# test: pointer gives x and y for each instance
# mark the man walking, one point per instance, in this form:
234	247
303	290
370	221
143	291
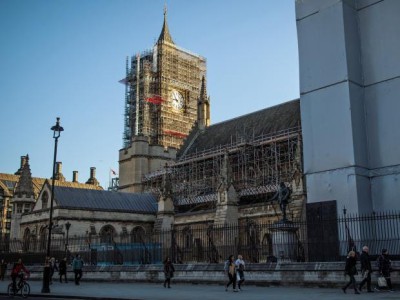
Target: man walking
365	269
240	271
77	265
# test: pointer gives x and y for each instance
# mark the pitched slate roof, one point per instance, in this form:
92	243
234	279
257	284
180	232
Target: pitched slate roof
66	197
263	122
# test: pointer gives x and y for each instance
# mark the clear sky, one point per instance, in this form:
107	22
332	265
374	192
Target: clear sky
64	58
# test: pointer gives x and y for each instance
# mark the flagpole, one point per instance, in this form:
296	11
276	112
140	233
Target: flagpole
109	177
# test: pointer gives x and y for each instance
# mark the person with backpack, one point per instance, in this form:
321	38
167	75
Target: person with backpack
239	271
230	270
351	270
385	267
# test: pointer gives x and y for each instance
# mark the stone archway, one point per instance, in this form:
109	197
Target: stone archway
107	233
138	235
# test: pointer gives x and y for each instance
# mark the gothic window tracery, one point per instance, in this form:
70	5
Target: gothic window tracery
27	235
45	200
138	235
107	234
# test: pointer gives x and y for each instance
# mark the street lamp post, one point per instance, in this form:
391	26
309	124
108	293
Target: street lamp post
67	227
46	272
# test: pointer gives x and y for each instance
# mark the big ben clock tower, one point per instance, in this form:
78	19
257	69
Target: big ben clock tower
165	95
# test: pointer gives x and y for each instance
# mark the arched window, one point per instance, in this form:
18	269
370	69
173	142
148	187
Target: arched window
27	236
107	234
45	200
187	238
267	244
138	235
42	238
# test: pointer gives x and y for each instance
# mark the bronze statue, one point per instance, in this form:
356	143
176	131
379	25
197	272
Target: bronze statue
283	195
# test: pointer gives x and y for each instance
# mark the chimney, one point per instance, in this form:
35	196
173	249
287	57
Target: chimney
74	176
58	167
59	176
93	172
92	180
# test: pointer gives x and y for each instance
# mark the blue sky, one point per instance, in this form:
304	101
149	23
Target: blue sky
64	58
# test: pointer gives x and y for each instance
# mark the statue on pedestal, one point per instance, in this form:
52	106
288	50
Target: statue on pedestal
283	195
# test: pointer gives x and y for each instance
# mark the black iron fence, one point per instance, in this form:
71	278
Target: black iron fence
316	239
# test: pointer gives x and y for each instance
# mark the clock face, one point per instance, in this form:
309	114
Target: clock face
177	100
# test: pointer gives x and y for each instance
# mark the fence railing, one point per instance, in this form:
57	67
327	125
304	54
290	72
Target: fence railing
315	240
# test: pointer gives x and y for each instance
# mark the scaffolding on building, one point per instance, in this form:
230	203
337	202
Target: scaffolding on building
150	78
257	166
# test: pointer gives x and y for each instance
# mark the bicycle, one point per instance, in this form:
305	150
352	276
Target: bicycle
22	286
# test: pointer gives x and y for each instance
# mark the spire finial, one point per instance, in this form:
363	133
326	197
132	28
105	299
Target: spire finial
165	35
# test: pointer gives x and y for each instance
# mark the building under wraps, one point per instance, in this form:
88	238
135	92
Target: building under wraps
170	148
165	95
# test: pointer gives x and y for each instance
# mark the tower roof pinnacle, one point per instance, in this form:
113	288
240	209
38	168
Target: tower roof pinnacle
25	185
165	36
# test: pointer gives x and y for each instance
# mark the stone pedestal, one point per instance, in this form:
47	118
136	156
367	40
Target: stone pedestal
284	240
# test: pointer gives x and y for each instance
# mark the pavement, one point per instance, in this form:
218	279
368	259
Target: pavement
155	291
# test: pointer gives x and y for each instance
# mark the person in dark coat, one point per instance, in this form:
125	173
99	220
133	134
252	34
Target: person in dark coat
385	266
62	270
365	269
351	270
230	270
3	268
168	272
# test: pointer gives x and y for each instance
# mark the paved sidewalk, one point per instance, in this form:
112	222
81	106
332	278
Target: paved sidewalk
152	291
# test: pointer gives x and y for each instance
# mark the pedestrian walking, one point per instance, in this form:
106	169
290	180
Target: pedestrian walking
77	266
351	270
230	270
53	268
62	270
3	268
366	269
240	266
168	272
385	267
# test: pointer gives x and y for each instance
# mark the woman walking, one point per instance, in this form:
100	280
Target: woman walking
351	270
230	270
62	269
385	266
168	272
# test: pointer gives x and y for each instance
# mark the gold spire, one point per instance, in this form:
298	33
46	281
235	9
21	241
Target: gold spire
165	36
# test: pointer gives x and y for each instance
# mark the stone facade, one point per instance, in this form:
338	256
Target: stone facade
165	96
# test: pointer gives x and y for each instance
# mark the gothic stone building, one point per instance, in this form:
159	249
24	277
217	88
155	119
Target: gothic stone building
20	191
185	174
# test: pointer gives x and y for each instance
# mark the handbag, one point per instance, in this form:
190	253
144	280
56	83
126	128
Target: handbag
382	281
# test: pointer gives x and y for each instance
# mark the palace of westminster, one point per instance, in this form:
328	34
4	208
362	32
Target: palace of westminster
178	170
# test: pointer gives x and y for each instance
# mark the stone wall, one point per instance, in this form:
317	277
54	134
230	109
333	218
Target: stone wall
328	274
